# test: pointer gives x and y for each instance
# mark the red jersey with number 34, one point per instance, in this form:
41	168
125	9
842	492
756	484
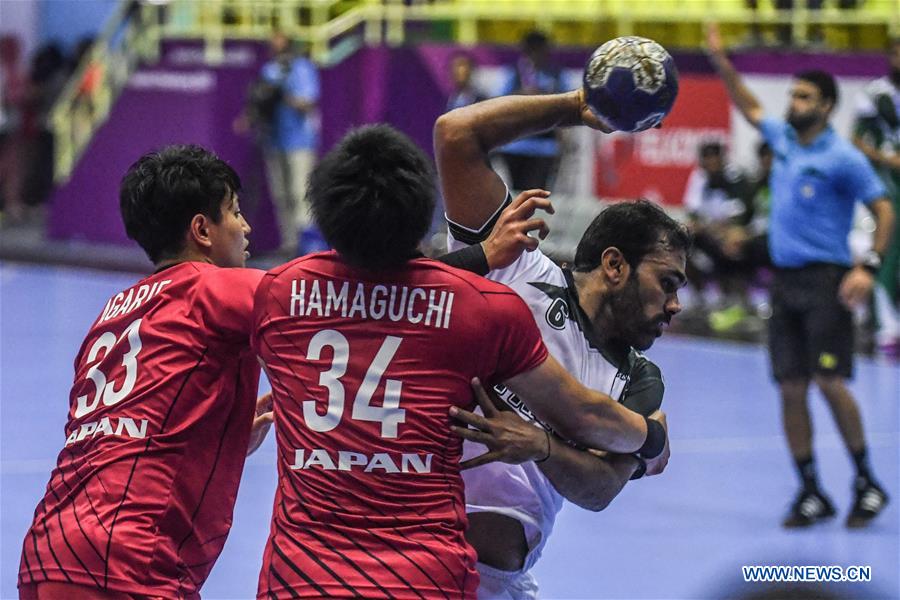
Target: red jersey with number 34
160	413
364	369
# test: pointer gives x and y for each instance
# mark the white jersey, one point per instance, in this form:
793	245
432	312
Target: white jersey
522	491
880	100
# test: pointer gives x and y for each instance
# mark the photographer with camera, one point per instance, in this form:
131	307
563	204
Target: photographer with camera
282	112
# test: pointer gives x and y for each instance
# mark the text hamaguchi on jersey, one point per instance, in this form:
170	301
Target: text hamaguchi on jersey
417	306
344	460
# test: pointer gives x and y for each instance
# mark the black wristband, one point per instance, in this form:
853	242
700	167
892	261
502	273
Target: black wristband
642	467
467	236
470	258
655	442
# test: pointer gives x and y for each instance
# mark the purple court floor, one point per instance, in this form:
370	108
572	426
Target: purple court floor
684	534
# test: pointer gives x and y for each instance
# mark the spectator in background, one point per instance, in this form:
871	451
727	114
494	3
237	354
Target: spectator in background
464	90
748	242
716	193
747	245
283	110
760	191
14	87
716	198
784	31
49	73
877	134
817	179
532	161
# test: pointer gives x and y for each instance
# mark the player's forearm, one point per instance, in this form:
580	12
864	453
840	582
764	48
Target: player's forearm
744	100
884	225
608	425
587	417
471	190
479	128
300	104
585	479
877	157
471	258
869	150
596	420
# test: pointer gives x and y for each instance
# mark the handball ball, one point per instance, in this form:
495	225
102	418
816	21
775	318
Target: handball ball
630	83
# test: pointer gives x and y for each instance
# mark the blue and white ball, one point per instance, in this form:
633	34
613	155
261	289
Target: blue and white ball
631	83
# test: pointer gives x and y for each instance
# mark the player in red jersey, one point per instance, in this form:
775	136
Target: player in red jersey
366	349
164	395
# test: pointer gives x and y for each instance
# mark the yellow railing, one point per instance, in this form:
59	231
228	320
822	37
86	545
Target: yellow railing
334	28
129	36
674	23
573	22
315	22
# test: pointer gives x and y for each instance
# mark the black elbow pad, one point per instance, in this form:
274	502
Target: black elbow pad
644	392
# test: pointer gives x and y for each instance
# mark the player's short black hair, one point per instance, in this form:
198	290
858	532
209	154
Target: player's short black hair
635	227
824	81
467	56
372	197
712	148
535	41
163	190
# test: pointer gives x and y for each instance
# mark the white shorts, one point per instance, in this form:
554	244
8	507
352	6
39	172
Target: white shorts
505	585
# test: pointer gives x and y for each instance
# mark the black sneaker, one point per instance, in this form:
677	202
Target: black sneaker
870	500
809	508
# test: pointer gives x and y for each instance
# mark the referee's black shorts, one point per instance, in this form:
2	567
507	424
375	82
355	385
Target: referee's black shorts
810	330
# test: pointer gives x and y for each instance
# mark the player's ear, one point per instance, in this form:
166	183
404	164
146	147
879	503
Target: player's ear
614	266
198	231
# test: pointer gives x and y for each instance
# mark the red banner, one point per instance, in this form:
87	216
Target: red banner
655	164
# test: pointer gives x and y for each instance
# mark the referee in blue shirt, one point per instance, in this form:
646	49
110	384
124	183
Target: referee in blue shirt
816	179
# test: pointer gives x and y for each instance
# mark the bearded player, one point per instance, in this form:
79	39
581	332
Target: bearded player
367	347
617	298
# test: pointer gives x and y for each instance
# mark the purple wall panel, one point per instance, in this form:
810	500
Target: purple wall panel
352	94
149	116
381	85
87	206
787	63
416	99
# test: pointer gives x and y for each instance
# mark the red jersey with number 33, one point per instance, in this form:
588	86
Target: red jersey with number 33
364	369
160	413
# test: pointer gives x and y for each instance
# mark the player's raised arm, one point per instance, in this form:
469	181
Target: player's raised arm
741	96
585	416
472	191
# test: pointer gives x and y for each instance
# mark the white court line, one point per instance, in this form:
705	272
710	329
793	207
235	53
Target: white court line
829	441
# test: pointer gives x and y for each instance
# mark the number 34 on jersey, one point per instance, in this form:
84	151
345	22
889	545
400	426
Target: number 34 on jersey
389	415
